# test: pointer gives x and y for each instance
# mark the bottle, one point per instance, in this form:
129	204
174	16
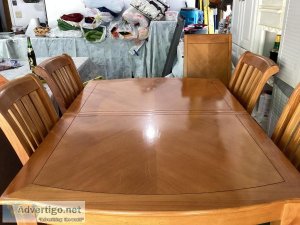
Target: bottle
30	54
274	51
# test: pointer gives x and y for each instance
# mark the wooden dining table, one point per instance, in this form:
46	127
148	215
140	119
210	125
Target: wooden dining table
161	151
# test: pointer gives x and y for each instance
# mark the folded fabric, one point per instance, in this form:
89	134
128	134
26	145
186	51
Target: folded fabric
153	9
115	6
65	26
106	17
74	17
106	10
56	32
135	18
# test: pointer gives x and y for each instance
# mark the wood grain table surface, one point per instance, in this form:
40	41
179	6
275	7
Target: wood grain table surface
161	151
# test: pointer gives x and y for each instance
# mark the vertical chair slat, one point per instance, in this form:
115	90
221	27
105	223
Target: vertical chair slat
29	122
240	78
287	113
60	84
293	146
63	79
68	71
244	83
247	82
42	112
12	132
64	83
287	130
290	129
68	83
26	114
38	123
255	91
22	127
249	87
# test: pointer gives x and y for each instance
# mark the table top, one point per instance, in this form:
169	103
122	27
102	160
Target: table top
160	147
156	95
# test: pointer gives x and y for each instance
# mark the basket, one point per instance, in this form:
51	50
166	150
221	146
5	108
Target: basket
41	31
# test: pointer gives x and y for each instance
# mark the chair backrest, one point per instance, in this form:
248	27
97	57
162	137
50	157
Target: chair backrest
287	130
208	56
26	114
249	78
63	79
3	80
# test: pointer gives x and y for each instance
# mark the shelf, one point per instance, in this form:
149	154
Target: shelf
271	15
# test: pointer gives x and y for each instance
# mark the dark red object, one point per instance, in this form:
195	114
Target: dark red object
89	19
193	28
74	17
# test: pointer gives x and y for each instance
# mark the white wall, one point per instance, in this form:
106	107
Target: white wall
289	52
23	12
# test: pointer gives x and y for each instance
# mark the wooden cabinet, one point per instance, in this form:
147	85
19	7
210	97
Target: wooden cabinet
243	17
246	34
208	56
271	15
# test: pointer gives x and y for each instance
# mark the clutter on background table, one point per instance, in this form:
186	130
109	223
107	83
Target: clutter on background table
6	64
107	33
110	57
20	68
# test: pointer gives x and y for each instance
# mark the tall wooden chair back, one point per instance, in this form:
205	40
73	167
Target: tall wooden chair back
249	78
208	56
287	130
3	80
26	114
63	79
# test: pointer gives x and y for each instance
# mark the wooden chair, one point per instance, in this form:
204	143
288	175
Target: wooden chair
249	78
63	79
208	56
3	80
26	114
287	130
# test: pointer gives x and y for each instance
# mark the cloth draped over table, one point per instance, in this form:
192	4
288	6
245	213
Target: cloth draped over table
110	57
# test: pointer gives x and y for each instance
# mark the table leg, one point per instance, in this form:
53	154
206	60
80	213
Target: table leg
291	214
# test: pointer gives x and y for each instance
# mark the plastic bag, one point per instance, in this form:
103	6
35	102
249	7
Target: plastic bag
114	5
